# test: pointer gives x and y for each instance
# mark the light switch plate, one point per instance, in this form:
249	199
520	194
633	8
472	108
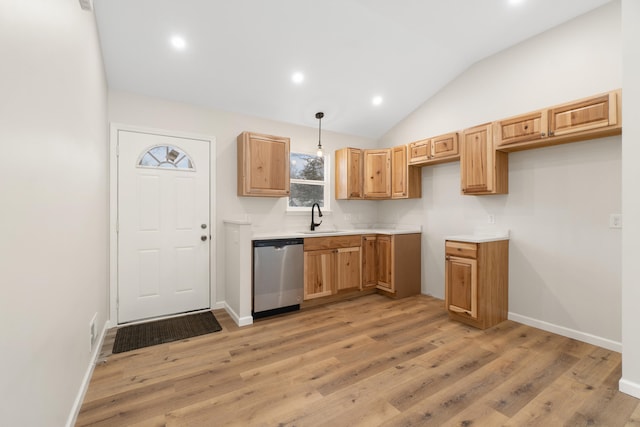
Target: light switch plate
615	221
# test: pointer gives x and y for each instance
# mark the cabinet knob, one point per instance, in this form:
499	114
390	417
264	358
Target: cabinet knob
550	133
542	134
446	258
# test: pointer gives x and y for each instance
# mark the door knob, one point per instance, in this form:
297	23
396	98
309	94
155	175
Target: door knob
203	226
203	238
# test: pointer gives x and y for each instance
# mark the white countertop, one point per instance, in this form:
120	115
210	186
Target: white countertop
478	238
333	232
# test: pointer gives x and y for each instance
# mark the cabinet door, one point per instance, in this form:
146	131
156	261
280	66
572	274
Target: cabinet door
348	268
528	127
399	172
319	273
369	261
483	170
462	285
263	165
593	113
476	162
349	171
385	263
419	152
377	174
444	146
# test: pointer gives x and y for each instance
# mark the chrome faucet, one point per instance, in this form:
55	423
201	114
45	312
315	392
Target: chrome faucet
313	221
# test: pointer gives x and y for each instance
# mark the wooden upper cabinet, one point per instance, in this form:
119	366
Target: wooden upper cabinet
377	173
263	165
406	181
482	169
443	148
527	127
580	120
348	175
592	113
419	152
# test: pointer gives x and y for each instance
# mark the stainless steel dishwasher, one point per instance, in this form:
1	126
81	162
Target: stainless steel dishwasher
278	276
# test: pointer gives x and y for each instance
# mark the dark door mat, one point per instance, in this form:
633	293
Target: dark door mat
162	331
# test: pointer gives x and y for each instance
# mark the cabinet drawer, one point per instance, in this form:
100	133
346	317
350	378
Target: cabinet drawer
585	115
419	151
333	242
445	146
461	249
528	127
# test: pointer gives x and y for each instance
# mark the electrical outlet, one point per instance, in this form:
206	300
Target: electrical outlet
491	219
615	221
92	332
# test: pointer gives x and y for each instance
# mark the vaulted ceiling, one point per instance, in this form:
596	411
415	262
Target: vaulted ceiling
241	55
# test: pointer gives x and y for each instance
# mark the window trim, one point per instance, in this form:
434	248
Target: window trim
326	183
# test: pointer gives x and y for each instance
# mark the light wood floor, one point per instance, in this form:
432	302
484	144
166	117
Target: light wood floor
364	362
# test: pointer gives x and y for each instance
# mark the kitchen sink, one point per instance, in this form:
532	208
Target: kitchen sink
327	231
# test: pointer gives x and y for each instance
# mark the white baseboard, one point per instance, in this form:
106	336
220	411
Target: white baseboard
84	386
218	305
567	332
240	321
629	387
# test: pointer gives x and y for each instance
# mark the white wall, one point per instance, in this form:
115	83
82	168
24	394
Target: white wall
631	199
266	214
53	192
565	266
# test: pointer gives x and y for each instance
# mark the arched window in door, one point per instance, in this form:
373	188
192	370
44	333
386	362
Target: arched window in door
167	157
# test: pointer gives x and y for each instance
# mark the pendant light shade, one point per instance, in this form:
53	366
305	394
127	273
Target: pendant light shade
319	116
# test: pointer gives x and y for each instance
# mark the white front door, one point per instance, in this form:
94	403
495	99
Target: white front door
163	225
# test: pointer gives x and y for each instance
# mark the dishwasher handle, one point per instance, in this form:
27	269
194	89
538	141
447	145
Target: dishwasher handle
277	243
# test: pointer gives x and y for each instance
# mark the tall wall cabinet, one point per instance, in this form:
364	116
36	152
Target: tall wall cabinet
349	171
263	165
483	170
377	174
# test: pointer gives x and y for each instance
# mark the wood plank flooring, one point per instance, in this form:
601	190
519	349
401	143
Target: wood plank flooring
370	361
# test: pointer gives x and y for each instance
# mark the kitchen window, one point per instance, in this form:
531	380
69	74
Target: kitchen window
309	175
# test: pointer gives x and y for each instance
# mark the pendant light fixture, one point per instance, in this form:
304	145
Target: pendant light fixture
319	116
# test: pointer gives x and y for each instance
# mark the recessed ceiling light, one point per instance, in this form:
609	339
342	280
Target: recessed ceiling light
376	100
178	42
297	78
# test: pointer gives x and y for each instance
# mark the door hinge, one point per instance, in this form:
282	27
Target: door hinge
118	150
117	226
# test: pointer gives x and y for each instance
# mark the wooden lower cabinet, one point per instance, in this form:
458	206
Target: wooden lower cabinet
390	264
348	268
477	281
319	271
369	261
384	261
331	265
399	264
